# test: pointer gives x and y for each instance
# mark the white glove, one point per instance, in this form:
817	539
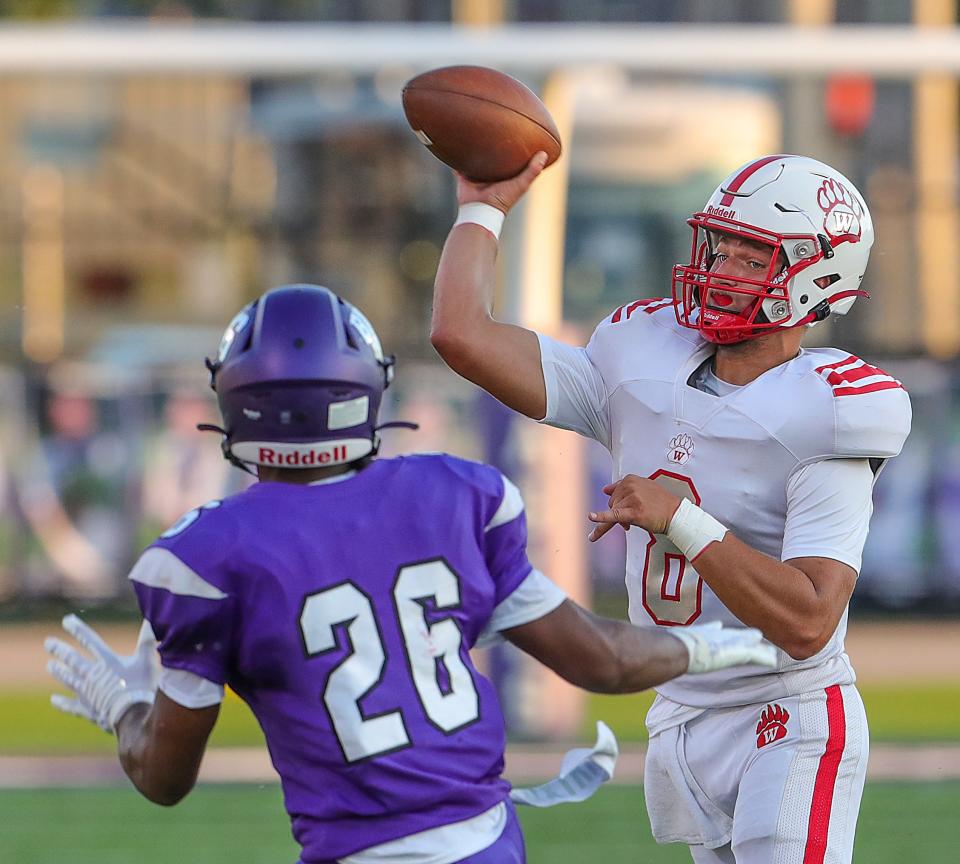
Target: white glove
712	646
107	685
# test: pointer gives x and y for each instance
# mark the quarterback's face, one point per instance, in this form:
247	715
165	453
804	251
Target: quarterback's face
735	260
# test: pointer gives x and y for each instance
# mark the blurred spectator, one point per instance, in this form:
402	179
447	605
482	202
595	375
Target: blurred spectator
184	467
72	493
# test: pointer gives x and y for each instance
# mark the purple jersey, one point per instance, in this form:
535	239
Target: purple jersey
342	614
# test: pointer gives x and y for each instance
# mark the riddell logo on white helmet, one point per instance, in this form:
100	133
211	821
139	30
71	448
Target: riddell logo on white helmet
722	212
301	458
314	454
841	211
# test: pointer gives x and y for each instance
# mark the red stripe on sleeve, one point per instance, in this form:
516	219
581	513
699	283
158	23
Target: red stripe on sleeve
653	308
823	787
855	374
850	390
745	175
850	358
648	304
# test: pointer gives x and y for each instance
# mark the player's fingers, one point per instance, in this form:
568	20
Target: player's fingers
604	516
529	173
70	706
607	519
599	530
56	647
65	676
537	163
608	489
86	635
614	514
68	655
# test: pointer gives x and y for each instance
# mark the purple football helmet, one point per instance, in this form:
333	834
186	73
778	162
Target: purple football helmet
299	376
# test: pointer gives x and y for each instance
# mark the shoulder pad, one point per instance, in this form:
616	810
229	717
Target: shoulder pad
616	346
466	473
871	407
499	499
648	306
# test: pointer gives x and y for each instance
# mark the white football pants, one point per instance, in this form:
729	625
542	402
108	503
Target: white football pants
772	783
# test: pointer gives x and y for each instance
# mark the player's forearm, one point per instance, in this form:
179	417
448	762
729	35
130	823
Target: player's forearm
779	599
600	654
502	358
644	657
464	287
158	778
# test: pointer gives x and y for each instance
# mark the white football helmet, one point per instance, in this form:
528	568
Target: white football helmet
820	232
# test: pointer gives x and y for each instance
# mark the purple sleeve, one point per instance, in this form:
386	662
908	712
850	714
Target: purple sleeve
191	616
505	536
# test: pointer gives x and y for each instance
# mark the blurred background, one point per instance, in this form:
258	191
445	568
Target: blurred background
164	162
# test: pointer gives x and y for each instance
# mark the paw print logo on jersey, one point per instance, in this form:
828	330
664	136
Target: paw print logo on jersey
841	211
773	725
680	449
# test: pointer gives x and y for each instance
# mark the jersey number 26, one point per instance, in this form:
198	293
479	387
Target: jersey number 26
426	646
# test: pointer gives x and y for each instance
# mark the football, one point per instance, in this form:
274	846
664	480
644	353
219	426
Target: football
479	121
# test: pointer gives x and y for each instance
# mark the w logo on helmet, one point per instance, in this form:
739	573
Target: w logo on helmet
841	211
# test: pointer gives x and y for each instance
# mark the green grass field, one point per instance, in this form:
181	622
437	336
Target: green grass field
897	713
246	823
229	824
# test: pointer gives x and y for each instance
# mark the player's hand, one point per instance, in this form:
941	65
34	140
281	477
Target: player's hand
713	646
105	684
635	501
504	193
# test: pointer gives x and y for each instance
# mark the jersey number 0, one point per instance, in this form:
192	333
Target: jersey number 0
671	587
427	647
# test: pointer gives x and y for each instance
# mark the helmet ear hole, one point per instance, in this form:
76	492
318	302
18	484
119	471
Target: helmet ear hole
826	281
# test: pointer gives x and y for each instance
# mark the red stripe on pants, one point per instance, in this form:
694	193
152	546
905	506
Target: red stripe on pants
823	786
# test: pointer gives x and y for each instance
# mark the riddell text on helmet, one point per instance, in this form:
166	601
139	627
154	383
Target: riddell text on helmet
269	456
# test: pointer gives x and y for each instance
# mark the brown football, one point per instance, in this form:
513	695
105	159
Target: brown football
481	122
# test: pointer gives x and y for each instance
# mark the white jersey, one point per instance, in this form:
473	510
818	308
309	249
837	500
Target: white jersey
744	457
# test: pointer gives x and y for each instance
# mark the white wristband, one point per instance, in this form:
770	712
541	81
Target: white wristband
692	529
485	215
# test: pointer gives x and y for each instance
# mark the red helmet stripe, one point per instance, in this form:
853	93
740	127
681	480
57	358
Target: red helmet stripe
745	175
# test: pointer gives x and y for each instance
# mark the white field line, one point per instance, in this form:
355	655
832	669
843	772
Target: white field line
523	765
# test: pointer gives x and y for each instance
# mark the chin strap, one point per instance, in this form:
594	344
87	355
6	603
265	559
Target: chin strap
821	311
392	424
397	424
225	447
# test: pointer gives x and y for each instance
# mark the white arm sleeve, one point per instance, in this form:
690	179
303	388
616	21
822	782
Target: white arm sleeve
829	504
576	393
533	598
190	690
